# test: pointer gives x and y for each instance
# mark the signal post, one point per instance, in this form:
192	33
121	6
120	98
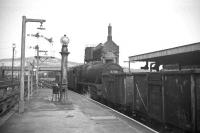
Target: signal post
22	62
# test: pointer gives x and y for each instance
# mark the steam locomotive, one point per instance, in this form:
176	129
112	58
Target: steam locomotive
95	79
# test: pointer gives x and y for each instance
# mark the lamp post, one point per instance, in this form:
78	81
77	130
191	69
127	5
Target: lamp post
22	67
13	50
64	84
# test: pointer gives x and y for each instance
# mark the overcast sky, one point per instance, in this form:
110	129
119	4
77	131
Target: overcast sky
139	26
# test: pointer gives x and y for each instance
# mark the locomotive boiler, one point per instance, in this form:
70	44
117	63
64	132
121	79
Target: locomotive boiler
97	80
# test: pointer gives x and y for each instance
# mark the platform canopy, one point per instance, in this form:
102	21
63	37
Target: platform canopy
184	55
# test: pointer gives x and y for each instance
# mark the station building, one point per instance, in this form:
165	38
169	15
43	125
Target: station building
106	52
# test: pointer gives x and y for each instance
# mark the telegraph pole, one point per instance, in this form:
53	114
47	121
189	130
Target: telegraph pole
129	66
24	21
32	75
13	52
37	61
37	58
29	79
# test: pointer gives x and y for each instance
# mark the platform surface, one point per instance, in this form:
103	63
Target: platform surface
82	116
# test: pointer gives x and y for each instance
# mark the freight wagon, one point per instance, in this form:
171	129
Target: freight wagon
171	98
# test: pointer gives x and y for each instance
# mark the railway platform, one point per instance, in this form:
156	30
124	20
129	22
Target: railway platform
82	116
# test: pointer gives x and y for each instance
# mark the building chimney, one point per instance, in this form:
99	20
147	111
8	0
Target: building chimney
109	32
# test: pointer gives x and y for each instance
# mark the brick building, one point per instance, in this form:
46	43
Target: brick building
107	52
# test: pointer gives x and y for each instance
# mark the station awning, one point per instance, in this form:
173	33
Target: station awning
185	55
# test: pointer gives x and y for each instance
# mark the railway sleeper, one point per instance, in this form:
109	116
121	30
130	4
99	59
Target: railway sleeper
10	102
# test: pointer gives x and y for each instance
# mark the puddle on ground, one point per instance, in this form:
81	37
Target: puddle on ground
103	117
68	116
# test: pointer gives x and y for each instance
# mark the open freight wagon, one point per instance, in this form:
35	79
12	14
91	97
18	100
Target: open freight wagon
169	97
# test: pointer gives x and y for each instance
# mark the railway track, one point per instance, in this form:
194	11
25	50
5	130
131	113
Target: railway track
7	103
9	95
